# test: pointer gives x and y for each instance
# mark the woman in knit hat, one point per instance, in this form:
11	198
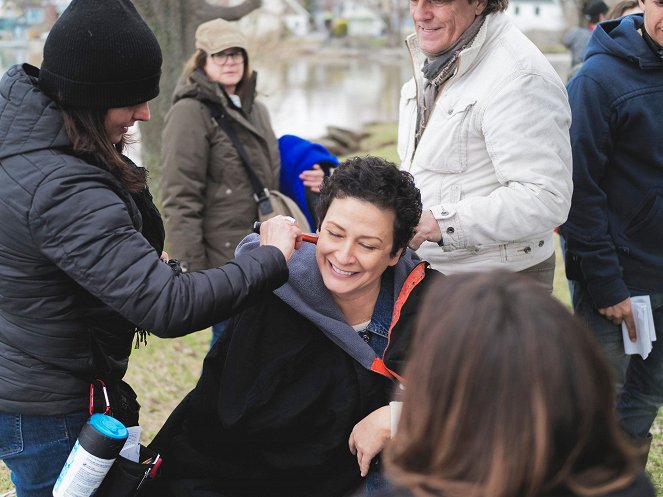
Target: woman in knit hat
208	199
80	240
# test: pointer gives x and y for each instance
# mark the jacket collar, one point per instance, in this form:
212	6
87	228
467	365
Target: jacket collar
492	28
620	38
199	86
306	294
29	119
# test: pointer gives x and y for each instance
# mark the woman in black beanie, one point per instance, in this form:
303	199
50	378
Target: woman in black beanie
81	240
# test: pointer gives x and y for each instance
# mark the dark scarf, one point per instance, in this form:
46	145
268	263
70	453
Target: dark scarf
437	69
651	43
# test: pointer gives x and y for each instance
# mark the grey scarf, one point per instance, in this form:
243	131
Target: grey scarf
437	69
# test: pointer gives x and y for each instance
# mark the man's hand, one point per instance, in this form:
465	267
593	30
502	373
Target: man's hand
621	312
369	437
427	230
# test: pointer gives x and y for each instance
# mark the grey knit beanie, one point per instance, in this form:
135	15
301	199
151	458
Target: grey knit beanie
101	54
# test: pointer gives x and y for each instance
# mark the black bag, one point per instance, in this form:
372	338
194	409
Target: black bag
126	478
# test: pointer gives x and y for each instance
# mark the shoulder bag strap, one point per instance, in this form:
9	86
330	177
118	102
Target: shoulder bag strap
260	193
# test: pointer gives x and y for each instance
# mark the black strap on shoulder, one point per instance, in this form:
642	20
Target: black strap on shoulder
260	193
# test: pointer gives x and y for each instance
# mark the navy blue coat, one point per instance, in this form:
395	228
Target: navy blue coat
615	227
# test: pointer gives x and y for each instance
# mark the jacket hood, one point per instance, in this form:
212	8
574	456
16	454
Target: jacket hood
29	120
200	87
620	38
306	293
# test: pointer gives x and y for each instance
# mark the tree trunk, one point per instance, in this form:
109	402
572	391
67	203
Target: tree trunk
174	23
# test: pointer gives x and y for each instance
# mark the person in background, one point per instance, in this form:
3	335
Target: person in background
615	227
484	131
297	157
576	38
294	397
525	411
81	240
624	8
208	201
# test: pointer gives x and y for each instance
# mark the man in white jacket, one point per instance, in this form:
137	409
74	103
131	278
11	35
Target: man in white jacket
484	129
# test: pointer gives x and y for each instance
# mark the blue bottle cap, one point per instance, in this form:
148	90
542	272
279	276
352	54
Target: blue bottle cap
108	426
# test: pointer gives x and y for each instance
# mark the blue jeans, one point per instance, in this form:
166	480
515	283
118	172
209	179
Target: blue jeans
35	448
639	382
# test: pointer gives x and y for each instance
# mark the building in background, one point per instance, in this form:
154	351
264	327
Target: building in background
537	15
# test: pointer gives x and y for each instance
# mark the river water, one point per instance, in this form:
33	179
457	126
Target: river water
306	94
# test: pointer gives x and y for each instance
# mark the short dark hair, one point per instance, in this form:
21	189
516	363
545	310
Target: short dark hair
594	10
379	182
507	394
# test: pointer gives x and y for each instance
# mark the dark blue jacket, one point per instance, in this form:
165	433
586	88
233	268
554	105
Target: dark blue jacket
615	226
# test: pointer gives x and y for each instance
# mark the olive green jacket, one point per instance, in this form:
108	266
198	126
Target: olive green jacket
207	198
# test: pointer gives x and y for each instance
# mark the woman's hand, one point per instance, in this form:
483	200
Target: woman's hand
369	437
283	233
313	178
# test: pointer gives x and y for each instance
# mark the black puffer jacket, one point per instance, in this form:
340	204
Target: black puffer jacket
76	274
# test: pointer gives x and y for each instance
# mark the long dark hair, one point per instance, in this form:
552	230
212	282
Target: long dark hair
88	137
507	395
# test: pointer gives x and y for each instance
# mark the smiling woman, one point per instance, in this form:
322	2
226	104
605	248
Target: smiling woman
118	120
283	389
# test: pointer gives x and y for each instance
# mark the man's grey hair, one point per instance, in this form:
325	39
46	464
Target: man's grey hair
493	6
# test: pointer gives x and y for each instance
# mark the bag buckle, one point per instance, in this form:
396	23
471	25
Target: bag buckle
264	203
106	399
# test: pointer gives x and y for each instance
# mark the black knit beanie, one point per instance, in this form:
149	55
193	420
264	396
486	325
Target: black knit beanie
100	54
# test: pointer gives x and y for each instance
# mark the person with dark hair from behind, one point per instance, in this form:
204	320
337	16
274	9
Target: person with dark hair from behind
81	240
294	398
577	38
509	396
624	8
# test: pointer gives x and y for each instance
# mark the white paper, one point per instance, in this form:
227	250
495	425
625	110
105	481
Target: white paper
131	448
644	327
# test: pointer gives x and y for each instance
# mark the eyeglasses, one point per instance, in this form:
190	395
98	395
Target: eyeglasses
222	58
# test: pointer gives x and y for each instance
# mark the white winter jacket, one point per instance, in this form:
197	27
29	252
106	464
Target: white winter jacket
494	162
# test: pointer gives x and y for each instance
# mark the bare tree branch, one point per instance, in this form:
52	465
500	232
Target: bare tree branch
208	11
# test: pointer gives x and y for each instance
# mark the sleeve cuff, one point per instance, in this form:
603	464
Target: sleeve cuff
452	233
395	407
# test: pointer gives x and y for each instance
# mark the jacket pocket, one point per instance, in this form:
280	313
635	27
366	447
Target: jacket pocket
444	144
11	438
646	228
